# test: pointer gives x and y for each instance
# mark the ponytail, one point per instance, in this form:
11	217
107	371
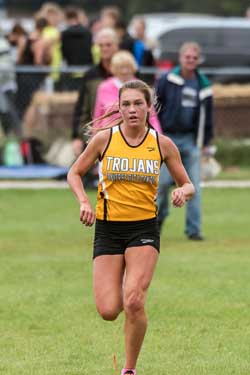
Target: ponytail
90	129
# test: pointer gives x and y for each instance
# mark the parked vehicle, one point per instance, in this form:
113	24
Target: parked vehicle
225	41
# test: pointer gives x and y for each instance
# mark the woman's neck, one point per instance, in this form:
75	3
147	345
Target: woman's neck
134	135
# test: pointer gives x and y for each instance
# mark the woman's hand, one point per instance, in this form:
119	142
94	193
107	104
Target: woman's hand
178	197
87	214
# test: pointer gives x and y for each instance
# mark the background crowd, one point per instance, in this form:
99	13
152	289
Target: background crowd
113	55
63	37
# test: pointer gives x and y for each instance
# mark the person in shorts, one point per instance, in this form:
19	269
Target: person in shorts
127	243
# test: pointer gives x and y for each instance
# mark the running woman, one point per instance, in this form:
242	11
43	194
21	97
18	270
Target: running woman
127	239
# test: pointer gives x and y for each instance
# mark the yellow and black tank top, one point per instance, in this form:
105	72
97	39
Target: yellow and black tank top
128	178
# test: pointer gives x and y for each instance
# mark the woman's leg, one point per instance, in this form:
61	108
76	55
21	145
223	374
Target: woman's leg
140	265
108	279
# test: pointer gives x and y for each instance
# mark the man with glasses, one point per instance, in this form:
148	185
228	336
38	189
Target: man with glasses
185	113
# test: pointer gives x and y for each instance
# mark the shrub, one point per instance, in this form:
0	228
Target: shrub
233	152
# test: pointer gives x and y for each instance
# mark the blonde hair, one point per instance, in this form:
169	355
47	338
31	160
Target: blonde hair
120	58
49	8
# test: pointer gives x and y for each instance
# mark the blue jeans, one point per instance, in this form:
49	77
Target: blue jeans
190	155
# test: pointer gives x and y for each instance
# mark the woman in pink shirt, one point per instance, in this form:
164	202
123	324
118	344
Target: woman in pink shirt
123	68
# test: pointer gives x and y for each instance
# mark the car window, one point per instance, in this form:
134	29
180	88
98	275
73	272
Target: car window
206	37
236	38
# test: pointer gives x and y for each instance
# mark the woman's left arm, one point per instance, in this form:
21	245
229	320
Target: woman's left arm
171	156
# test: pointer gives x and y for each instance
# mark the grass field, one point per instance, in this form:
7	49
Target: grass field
198	304
234	173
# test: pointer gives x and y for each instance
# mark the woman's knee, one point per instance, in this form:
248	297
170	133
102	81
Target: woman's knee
134	301
109	312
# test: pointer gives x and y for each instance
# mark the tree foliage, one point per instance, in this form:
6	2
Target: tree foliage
130	7
223	7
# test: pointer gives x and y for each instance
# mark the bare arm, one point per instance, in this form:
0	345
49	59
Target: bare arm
185	189
42	52
85	161
20	49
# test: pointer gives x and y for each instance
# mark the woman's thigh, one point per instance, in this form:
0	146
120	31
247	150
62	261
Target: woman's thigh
108	274
140	266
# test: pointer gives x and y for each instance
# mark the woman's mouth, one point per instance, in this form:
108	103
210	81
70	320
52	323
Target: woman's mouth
132	118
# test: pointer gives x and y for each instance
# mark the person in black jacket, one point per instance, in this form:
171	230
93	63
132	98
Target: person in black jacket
186	107
76	40
76	47
107	41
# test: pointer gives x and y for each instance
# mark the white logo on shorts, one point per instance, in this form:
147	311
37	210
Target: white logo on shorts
144	240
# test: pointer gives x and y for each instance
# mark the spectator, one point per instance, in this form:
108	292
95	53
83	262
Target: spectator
17	38
95	25
9	119
185	98
126	41
82	17
54	16
109	16
76	40
76	46
107	41
143	55
36	50
123	68
143	46
33	49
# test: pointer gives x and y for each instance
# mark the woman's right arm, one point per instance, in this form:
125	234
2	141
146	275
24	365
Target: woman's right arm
81	166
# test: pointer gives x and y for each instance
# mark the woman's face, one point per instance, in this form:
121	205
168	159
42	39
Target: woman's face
54	18
134	108
124	72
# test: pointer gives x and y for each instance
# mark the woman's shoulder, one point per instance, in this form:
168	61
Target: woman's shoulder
101	140
167	146
101	136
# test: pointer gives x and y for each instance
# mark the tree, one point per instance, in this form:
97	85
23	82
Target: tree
130	7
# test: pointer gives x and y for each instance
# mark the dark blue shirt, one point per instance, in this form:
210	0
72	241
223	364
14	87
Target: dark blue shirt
189	105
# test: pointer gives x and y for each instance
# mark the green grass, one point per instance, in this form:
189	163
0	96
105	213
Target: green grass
234	173
198	304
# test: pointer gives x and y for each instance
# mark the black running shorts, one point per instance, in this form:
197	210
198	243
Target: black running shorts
114	237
